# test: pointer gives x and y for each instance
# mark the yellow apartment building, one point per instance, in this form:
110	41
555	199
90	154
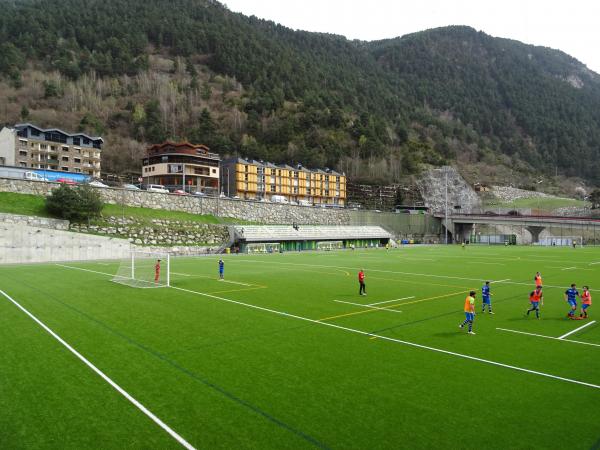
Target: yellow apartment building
257	180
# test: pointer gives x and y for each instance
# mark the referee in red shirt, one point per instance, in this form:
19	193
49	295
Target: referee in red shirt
361	282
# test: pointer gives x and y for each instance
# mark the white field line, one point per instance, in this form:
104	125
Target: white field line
549	337
406	273
386	338
389	301
102	375
481	262
500	281
569	268
594	263
152	284
182	274
577	329
368	306
235	282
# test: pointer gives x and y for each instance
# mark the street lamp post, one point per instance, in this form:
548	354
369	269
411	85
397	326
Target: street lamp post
446	213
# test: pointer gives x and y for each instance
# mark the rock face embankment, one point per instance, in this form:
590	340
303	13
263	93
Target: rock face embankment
461	196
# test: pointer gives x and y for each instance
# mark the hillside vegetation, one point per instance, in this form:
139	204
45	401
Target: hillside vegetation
138	72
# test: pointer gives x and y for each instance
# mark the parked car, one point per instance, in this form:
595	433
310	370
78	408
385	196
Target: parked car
157	188
33	176
198	194
279	199
65	181
180	192
131	187
97	184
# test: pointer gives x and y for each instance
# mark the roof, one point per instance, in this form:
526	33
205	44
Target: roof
279	233
47	130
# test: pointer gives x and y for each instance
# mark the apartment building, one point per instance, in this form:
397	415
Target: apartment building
179	165
29	146
257	180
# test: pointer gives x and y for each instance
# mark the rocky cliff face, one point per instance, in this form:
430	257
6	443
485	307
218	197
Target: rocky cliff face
461	196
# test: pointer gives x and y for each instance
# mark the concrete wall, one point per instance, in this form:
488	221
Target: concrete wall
7	146
26	244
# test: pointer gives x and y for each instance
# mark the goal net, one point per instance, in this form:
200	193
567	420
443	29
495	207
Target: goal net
330	245
145	270
561	241
263	247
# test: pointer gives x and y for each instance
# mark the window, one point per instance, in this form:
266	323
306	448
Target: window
77	170
77	160
34	132
43	146
22	133
65	149
245	177
273	188
65	158
86	141
64	169
246	169
42	166
76	141
22	143
214	170
53	148
78	151
22	153
22	164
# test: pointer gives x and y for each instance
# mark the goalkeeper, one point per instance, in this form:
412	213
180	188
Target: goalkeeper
157	271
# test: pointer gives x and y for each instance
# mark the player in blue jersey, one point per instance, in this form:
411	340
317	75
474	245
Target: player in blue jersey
571	295
486	297
221	269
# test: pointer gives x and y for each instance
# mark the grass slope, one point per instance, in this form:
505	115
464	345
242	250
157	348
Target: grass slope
544	203
217	363
34	205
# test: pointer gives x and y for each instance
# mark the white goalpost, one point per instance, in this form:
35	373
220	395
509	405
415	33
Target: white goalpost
561	241
330	245
145	270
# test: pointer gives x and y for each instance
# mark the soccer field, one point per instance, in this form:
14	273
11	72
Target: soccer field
284	353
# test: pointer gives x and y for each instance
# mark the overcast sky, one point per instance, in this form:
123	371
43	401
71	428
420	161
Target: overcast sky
570	26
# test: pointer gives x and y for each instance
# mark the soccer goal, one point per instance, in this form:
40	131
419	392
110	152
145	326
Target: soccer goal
330	245
561	241
263	247
145	270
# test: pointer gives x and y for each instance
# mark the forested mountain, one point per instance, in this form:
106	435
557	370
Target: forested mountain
140	71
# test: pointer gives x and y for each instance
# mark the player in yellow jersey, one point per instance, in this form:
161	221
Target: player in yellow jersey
469	312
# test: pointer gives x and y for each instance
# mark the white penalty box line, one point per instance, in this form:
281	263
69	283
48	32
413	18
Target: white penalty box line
385	338
102	375
561	338
368	306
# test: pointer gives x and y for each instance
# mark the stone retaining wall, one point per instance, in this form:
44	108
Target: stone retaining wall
34	221
268	213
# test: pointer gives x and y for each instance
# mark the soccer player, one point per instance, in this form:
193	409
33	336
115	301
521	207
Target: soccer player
361	281
571	295
157	271
586	302
535	298
538	279
221	269
469	312
485	296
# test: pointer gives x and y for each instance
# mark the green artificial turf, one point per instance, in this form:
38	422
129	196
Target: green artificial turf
267	359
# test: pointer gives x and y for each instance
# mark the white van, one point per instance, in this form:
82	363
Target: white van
279	199
157	188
